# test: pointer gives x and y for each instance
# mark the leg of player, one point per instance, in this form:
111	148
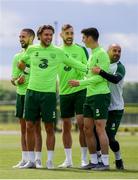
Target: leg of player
98	148
67	141
30	145
112	125
115	147
23	144
82	140
38	144
104	143
91	143
50	144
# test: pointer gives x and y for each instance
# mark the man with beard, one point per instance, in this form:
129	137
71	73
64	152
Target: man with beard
41	94
72	99
116	108
20	80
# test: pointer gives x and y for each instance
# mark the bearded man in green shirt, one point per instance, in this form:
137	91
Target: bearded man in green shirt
72	99
97	100
45	60
20	79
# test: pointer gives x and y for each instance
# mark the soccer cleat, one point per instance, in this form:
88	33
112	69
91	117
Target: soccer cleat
89	166
119	164
20	164
49	165
101	167
29	164
65	164
83	163
38	163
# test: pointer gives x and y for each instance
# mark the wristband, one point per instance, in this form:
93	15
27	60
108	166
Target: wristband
26	70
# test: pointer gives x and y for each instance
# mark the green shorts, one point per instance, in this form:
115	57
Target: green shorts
96	106
20	105
72	104
113	122
40	104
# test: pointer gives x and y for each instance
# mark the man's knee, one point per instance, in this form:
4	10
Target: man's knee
29	127
81	125
100	127
114	145
49	129
38	128
88	130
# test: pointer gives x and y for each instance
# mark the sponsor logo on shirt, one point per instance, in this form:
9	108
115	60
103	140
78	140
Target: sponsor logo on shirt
67	55
67	68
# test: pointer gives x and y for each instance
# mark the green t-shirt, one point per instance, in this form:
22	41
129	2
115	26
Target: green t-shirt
44	66
16	72
95	83
67	73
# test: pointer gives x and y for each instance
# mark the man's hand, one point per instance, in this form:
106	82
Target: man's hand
13	81
18	81
74	83
96	70
21	65
21	79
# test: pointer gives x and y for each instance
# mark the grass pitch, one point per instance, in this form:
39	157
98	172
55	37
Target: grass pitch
10	154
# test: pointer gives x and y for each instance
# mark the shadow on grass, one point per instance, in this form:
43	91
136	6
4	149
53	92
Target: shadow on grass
79	170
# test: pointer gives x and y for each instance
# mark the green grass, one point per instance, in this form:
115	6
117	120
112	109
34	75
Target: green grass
10	155
131	109
9	126
7	108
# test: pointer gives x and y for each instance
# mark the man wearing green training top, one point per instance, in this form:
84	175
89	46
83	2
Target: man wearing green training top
20	80
97	101
72	99
41	94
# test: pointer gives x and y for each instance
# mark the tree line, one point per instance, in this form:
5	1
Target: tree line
130	93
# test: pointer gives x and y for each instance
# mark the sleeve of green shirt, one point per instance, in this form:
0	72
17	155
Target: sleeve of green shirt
120	70
84	60
15	70
72	63
26	56
103	62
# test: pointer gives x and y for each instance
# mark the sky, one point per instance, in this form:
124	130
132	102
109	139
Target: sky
116	21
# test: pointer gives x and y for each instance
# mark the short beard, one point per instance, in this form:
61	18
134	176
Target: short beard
66	42
45	44
25	46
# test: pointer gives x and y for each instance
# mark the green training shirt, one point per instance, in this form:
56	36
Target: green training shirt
67	73
117	102
95	83
16	72
45	63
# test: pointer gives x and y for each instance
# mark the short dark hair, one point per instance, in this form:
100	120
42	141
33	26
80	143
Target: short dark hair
44	27
29	31
93	32
66	26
